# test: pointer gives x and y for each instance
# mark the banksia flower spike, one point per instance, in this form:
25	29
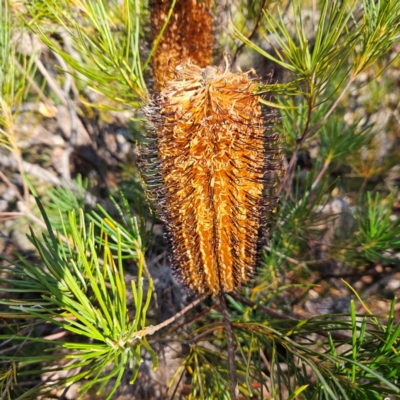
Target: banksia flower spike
188	35
210	170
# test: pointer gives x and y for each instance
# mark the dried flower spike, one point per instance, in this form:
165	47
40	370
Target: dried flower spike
213	160
189	35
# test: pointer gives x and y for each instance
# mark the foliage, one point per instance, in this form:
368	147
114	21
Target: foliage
83	306
107	39
335	367
378	235
82	290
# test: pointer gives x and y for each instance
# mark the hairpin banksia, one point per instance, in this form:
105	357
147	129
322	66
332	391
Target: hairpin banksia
210	170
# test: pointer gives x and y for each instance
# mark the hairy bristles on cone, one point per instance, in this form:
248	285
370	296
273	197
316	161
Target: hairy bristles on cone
189	35
210	170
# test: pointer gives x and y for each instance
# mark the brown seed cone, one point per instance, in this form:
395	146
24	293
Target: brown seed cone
213	163
189	35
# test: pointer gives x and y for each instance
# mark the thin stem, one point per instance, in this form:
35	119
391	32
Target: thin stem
34	86
318	178
327	163
191	320
256	26
11	161
13	143
276	314
329	112
204	334
51	82
11	186
363	185
150	330
309	132
292	260
231	348
265	310
290	168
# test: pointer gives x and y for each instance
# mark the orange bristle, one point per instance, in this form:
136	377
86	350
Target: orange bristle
212	165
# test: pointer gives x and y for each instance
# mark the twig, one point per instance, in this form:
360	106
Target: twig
195	318
66	101
150	330
26	213
67	47
56	336
205	333
265	361
44	175
265	310
320	175
34	85
68	77
256	26
18	346
299	140
64	393
330	111
231	348
65	157
41	383
73	116
276	314
309	132
51	82
292	260
28	168
11	186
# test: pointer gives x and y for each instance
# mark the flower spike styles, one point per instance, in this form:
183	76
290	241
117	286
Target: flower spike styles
210	172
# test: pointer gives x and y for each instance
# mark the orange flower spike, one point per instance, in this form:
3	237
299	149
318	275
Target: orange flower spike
213	164
188	35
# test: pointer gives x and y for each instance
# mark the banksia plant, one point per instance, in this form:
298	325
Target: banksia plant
87	298
188	35
213	163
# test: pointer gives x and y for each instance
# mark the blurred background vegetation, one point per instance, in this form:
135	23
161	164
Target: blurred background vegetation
88	302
